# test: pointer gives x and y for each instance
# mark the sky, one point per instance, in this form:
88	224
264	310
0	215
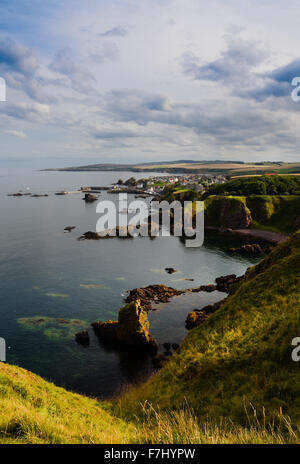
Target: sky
125	81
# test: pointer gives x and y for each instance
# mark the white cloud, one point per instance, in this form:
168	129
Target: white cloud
79	76
153	78
32	111
16	133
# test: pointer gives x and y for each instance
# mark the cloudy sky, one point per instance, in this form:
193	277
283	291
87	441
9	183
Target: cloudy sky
143	80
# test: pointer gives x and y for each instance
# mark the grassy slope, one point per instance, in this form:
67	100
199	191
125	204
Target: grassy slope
280	213
35	411
240	355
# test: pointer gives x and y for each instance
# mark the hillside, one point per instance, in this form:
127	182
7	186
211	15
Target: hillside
270	203
241	355
35	411
237	363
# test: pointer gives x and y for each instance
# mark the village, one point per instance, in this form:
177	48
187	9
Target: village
157	184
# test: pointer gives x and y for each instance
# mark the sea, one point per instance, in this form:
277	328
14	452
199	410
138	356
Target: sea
53	285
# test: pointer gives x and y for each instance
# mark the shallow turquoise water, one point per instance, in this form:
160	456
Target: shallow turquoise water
46	272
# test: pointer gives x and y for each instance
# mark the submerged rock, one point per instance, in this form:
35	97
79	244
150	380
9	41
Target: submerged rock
89	286
82	337
53	328
131	329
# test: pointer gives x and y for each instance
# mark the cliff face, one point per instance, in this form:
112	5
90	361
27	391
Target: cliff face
280	213
227	212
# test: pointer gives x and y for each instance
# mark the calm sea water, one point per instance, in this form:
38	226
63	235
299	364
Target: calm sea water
45	272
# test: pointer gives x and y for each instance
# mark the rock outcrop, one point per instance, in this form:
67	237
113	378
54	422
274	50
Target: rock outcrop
90	198
36	195
205	288
248	250
131	329
197	316
225	283
19	194
152	293
120	232
170	270
69	228
90	235
236	216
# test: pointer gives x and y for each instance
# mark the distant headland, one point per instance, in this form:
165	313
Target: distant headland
216	167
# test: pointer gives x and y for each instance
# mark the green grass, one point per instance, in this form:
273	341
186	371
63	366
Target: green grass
280	213
34	411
